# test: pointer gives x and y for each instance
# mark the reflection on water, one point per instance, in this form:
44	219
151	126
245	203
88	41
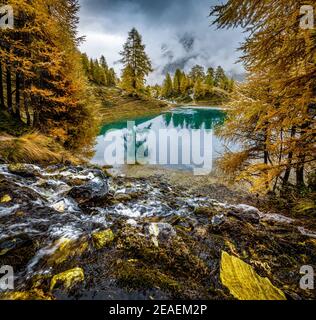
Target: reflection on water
180	122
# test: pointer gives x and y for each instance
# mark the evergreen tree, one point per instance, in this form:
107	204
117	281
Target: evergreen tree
104	64
196	73
209	80
111	78
184	86
85	64
44	73
198	89
272	114
220	80
177	82
167	89
137	64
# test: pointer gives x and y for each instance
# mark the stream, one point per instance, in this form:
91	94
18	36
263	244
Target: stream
72	232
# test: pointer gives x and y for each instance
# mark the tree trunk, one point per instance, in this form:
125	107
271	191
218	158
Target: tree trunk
17	97
26	103
2	105
9	88
289	162
301	159
300	172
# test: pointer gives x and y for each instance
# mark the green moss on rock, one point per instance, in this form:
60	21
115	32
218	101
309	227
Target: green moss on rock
244	283
102	238
67	279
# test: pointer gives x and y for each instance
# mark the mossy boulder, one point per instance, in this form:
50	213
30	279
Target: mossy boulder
5	199
35	294
67	249
244	283
102	238
205	211
23	170
67	279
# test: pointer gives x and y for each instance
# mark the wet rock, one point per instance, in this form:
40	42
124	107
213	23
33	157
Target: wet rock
35	294
9	245
96	188
132	222
246	209
65	249
67	279
183	223
277	218
122	197
307	233
5	199
64	205
102	238
24	170
244	283
161	232
205	211
218	220
17	251
248	216
59	206
201	231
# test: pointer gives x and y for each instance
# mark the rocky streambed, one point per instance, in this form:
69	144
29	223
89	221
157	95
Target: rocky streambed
76	233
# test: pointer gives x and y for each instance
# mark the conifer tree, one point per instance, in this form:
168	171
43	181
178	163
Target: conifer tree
184	86
198	89
209	80
137	64
273	113
42	64
177	82
196	73
220	80
167	88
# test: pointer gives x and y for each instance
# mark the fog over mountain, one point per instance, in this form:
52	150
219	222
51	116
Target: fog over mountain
177	34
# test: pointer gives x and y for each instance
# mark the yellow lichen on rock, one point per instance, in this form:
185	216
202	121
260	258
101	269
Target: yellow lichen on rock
35	294
6	198
67	248
102	238
68	278
244	283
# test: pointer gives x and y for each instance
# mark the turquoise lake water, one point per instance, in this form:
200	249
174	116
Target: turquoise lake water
183	139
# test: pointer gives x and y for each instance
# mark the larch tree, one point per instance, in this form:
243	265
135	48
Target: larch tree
273	113
167	87
136	62
220	78
44	86
209	79
177	81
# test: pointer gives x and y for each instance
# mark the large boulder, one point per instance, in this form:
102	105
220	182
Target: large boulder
96	188
67	279
244	283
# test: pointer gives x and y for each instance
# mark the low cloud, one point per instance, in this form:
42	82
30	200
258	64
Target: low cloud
177	34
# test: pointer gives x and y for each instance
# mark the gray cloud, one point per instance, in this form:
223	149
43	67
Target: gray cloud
177	33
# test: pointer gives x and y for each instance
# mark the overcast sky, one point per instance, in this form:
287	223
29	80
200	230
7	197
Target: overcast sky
177	33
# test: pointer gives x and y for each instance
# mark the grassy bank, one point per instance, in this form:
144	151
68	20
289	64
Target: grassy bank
20	144
33	148
116	105
218	97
